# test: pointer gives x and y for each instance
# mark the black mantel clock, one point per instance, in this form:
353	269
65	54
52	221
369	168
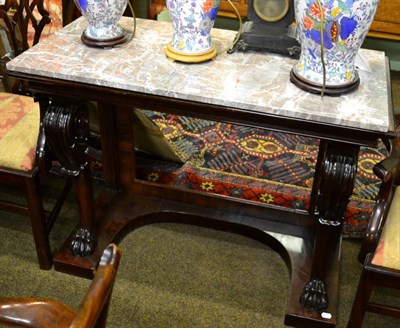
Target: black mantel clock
269	27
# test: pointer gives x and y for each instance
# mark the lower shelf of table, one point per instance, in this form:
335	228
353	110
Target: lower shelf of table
294	243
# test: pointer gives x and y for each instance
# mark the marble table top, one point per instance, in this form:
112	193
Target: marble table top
252	81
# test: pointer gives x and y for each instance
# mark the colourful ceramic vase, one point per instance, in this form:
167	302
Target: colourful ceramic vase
192	21
342	27
103	17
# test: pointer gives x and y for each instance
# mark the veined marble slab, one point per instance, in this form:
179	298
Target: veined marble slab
252	81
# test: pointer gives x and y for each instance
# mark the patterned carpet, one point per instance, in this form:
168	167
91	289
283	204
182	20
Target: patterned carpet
253	164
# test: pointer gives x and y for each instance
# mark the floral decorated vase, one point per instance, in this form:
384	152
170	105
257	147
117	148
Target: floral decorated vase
103	17
342	26
192	21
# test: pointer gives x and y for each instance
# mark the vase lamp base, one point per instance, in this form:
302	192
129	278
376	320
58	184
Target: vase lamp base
104	43
190	58
329	90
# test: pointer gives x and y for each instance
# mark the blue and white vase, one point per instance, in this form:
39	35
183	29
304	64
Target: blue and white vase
103	17
192	21
344	25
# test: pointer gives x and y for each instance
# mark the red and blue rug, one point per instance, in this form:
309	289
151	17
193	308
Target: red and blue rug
253	164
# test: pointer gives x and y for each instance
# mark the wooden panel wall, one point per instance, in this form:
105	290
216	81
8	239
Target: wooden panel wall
386	24
387	20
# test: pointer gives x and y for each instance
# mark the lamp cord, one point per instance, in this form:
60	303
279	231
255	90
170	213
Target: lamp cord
132	34
134	20
240	25
239	31
321	33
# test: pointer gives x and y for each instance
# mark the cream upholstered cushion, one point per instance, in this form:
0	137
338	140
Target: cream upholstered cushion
387	253
19	130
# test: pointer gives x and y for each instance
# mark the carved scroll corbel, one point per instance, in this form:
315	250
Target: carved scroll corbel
334	191
336	187
66	126
67	130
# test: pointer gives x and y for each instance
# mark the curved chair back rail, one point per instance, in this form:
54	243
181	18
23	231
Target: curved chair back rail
379	252
93	311
23	23
387	170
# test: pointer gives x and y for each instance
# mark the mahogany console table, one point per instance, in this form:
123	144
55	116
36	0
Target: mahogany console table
252	89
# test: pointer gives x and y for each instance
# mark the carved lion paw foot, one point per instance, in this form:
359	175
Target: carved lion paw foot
83	243
314	296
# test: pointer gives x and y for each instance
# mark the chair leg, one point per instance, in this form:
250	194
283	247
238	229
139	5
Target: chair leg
361	301
38	221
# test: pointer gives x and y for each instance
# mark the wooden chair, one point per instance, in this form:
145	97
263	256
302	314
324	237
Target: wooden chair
380	250
22	140
93	311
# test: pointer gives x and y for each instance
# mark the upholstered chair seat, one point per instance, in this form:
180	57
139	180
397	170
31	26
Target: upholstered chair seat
24	156
20	161
387	253
19	130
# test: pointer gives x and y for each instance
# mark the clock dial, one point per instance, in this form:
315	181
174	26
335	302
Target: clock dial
271	10
269	27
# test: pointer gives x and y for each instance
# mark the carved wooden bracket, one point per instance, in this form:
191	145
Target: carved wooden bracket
337	184
66	126
339	165
67	132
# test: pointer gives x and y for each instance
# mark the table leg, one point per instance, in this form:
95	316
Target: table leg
337	165
66	127
109	146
